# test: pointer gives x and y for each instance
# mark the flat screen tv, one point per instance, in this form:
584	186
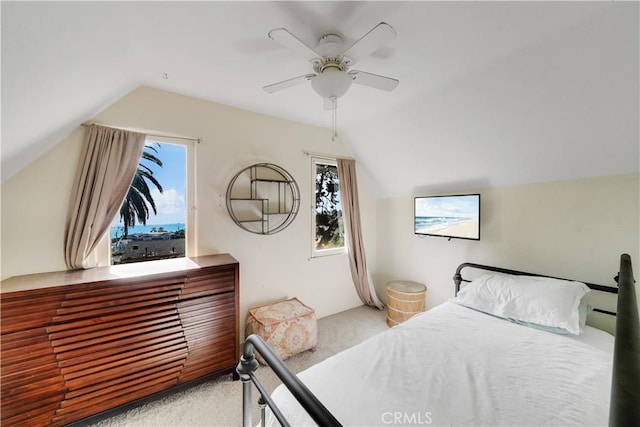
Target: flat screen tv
454	217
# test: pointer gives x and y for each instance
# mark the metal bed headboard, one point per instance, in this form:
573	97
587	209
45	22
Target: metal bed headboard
458	279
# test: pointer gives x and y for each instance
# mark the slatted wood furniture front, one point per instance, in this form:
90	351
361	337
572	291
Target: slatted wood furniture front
75	344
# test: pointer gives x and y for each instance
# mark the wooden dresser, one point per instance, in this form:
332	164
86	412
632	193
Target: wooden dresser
78	343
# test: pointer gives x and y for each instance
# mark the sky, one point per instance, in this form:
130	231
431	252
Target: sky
170	204
448	206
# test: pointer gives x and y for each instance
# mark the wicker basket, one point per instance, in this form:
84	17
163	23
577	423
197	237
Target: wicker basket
404	300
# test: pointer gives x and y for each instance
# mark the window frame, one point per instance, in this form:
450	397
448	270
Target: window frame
319	253
102	253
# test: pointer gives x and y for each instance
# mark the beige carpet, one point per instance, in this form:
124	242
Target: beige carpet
219	402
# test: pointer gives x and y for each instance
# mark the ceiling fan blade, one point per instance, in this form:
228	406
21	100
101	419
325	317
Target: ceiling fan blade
374	80
288	40
378	36
287	83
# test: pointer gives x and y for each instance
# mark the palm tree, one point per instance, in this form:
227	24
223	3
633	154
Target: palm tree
136	205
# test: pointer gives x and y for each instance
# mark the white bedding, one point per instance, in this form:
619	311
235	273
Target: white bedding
456	366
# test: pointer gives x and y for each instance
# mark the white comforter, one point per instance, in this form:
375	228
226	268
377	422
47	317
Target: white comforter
455	366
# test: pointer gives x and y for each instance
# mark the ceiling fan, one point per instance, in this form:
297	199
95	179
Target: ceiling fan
332	61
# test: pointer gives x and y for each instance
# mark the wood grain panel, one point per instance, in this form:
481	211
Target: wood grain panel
43	418
208	310
72	347
110	341
32	386
210	283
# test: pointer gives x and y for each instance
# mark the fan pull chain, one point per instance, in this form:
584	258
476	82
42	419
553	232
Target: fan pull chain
334	118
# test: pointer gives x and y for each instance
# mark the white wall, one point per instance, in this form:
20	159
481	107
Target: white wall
34	208
574	229
34	202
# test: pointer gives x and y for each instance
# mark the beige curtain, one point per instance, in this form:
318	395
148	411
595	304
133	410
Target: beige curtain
351	216
107	166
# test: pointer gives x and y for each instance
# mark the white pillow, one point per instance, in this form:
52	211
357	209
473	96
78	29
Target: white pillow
551	303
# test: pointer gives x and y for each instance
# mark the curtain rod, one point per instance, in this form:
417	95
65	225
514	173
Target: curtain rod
156	134
327	156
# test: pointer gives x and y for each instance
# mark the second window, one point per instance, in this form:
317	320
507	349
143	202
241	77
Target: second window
327	224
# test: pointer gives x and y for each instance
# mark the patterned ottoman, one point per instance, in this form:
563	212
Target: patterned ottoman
289	327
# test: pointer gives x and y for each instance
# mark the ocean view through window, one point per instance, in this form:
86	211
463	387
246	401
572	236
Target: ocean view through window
153	220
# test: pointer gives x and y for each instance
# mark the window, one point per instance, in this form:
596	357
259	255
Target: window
327	225
156	220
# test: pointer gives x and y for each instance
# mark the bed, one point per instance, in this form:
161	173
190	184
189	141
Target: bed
511	348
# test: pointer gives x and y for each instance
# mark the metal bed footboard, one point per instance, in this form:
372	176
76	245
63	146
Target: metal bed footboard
246	369
624	409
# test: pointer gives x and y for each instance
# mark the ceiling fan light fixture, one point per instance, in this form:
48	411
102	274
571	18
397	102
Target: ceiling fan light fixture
331	63
332	83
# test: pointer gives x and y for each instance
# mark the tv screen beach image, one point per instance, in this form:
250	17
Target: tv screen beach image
448	216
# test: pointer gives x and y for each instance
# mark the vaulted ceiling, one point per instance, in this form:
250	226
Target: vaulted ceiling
490	93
